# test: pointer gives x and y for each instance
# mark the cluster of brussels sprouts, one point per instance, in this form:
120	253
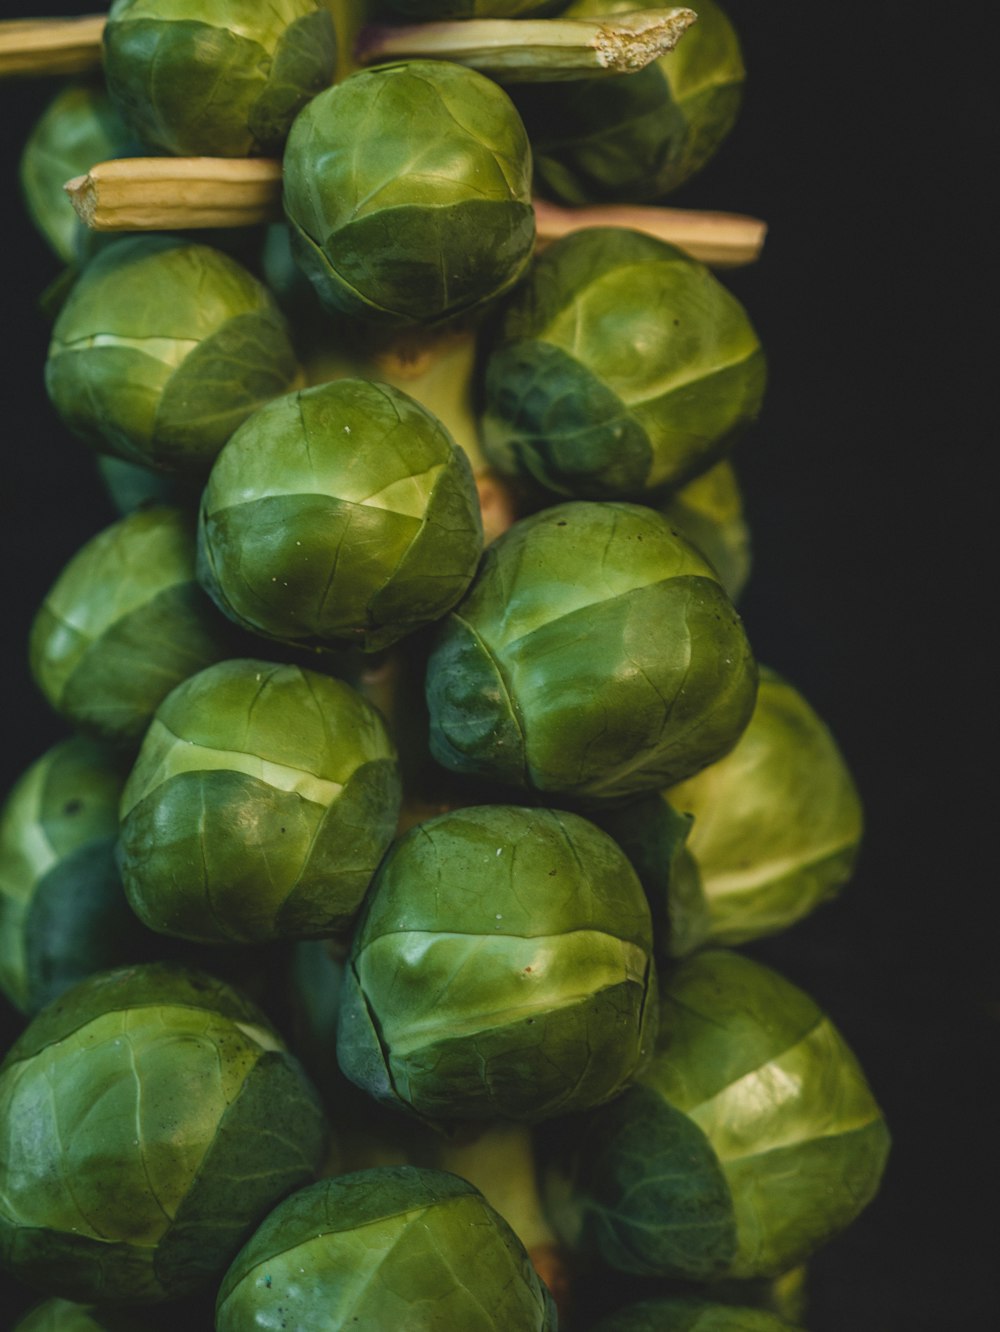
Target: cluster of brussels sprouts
475	828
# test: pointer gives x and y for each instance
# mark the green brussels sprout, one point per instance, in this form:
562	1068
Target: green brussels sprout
777	827
63	914
749	1139
502	969
220	78
123	624
162	349
150	1118
621	368
595	655
398	1247
635	137
77	129
343	513
690	1315
708	511
408	188
65	1316
259	807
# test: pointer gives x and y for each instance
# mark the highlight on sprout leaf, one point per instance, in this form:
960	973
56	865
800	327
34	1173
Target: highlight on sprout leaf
502	969
595	655
621	368
216	78
259	807
149	1199
124	622
162	349
408	189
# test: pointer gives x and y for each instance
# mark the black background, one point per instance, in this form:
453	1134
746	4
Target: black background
863	140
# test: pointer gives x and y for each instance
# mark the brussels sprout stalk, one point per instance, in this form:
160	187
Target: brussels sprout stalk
184	194
168	193
534	50
54	46
500	1162
514	50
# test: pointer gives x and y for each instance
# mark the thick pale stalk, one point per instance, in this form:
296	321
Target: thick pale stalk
51	45
512	50
724	240
184	193
534	50
168	193
500	1162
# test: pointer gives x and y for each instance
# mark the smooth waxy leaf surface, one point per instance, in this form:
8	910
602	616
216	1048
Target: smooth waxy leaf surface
634	137
216	77
594	651
162	349
124	623
770	1139
502	969
396	1247
149	1118
344	513
621	367
63	914
260	805
408	188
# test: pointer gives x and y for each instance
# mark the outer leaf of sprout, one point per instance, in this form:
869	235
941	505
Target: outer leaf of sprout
216	78
621	368
502	969
261	802
202	1123
635	137
123	624
594	652
344	513
766	1139
78	128
777	825
422	208
63	914
162	349
395	1247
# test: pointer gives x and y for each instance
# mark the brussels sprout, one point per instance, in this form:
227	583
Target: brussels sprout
341	513
64	1316
690	1315
634	137
123	624
501	970
259	807
150	1117
777	827
749	1140
78	128
595	655
392	1248
708	511
621	367
162	349
63	914
221	78
408	188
